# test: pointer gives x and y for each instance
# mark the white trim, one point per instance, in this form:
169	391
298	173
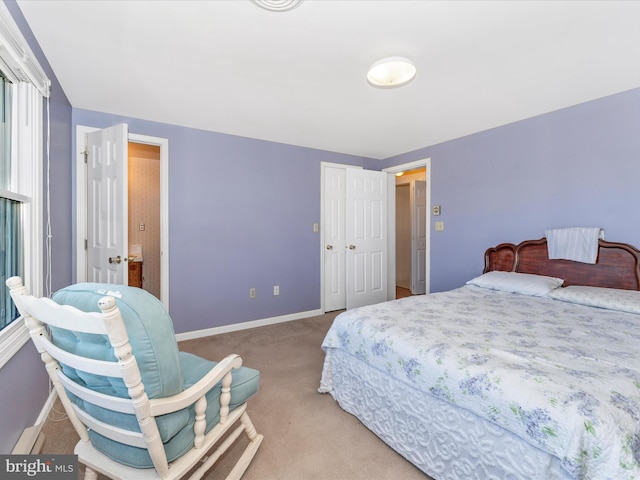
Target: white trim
391	204
28	148
81	193
17	56
81	211
391	236
31	435
12	338
48	406
425	162
14	196
246	325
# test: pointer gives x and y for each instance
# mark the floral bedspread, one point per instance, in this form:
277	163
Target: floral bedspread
563	377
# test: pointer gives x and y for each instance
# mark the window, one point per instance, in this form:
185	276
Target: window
11	259
23	85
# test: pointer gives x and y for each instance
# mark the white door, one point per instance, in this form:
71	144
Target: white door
418	236
334	239
107	232
366	237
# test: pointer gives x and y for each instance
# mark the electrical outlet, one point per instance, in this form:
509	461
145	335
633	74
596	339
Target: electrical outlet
252	293
276	289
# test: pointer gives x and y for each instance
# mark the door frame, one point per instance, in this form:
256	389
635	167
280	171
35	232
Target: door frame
391	223
415	234
81	205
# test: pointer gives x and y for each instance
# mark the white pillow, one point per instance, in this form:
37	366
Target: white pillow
609	298
522	283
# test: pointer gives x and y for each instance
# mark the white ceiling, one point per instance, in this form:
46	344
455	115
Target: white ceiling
298	77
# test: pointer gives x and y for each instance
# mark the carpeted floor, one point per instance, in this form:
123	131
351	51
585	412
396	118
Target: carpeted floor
307	435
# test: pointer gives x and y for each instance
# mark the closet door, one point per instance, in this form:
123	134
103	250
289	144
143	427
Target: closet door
333	229
366	237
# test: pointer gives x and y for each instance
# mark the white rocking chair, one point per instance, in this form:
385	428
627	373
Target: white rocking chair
142	409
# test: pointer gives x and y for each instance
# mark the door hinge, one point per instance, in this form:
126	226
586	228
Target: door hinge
86	244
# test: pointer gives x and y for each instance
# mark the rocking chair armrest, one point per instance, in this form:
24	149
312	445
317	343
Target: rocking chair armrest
161	406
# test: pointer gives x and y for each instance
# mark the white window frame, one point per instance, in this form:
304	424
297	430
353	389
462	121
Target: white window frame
30	84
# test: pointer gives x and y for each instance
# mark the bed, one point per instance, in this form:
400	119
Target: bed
529	371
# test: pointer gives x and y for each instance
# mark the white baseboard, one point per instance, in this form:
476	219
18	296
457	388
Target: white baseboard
44	413
207	332
31	440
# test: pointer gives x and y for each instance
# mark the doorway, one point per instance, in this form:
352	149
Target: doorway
410	232
144	217
403	240
406	169
147	212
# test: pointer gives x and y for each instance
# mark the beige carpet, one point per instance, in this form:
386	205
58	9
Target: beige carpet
307	435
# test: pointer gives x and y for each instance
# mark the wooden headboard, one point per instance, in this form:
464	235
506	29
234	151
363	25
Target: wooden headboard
617	265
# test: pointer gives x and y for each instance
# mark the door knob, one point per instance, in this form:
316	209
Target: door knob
116	260
352	247
329	247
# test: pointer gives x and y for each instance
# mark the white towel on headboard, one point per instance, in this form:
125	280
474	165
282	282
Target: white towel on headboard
579	244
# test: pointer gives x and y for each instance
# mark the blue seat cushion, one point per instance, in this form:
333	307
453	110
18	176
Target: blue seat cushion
244	385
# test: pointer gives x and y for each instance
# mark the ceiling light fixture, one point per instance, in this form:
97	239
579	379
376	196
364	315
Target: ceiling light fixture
391	72
277	5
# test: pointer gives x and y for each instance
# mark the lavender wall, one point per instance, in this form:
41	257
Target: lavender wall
241	215
574	167
24	380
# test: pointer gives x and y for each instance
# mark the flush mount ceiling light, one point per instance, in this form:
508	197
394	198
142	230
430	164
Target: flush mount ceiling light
391	72
277	5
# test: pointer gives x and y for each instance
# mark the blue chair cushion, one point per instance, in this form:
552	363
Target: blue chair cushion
164	370
244	385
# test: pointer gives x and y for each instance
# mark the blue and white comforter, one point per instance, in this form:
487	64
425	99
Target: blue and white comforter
563	377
